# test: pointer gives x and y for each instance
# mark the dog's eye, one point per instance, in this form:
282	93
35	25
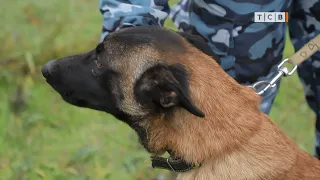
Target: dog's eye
99	65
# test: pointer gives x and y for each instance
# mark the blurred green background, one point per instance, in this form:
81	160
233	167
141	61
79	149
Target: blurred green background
42	137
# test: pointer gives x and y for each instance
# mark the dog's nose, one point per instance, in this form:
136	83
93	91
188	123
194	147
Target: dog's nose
47	68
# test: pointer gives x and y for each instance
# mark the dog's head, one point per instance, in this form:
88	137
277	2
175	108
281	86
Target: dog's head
127	76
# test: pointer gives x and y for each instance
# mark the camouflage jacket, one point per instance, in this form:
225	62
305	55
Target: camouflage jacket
247	49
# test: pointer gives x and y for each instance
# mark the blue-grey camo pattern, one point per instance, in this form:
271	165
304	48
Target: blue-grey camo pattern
249	51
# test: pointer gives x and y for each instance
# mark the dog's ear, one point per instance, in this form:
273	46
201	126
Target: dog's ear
166	87
100	48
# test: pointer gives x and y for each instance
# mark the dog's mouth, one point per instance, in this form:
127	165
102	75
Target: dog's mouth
74	83
68	95
76	102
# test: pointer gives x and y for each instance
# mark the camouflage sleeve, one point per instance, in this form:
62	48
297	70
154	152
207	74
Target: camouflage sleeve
304	23
119	14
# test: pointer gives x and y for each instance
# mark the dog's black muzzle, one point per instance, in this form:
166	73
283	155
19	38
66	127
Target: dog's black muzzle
72	78
48	68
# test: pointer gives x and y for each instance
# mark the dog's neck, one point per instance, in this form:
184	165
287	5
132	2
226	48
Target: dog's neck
233	137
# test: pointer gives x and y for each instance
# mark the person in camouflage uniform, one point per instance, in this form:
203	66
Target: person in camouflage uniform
249	51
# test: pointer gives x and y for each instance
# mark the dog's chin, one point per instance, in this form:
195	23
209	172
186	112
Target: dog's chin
75	101
78	102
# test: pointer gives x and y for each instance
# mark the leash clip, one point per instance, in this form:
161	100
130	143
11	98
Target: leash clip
282	71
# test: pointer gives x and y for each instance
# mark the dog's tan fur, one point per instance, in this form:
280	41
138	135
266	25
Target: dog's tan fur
130	71
235	141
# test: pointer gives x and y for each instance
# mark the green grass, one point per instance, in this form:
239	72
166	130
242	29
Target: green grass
50	139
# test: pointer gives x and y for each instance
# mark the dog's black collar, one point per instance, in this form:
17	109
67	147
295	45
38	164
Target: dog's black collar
171	164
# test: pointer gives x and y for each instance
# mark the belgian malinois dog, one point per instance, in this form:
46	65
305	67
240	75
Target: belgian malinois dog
179	100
